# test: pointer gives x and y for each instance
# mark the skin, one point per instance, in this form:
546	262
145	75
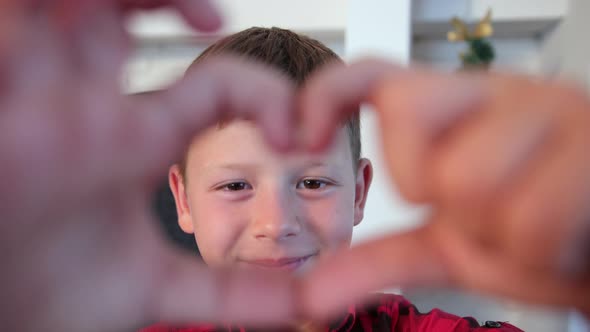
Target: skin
253	208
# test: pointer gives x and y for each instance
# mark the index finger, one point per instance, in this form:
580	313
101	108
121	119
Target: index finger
406	259
414	107
75	153
335	92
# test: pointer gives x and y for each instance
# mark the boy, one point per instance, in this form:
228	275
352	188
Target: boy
252	208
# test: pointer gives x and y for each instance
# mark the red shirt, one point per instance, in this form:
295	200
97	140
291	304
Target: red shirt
391	313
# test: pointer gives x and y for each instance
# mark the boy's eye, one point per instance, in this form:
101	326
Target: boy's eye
312	184
235	186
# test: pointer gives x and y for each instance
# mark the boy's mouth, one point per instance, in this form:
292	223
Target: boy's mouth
289	263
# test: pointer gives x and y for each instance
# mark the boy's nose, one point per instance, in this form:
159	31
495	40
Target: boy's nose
275	217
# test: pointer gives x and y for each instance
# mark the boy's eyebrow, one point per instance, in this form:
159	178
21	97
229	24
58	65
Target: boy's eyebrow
252	167
315	163
319	164
309	164
234	166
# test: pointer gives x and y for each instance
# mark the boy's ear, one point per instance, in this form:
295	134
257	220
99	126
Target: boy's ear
364	176
176	182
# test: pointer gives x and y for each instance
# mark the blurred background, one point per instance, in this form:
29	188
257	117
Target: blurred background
538	37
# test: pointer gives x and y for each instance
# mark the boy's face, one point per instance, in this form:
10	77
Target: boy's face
251	207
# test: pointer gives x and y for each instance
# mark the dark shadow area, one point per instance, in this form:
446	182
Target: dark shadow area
165	210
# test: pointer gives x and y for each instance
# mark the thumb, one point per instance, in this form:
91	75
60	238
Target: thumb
405	259
188	291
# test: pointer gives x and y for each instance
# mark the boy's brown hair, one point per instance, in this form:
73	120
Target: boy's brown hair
295	55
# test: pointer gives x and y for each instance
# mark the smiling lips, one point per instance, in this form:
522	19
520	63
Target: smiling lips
289	264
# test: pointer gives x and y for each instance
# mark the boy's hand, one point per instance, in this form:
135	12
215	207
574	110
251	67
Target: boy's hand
504	162
78	160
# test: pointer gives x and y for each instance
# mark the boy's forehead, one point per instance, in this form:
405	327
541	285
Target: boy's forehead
227	134
243	139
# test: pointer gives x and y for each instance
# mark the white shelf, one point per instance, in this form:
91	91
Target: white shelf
502	29
511	18
503	10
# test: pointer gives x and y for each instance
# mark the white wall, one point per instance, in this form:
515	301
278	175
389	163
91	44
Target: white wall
302	15
158	62
380	28
566	51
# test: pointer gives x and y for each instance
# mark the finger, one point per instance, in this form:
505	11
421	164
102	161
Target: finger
12	26
331	95
201	14
189	292
549	206
29	54
71	154
70	14
492	148
408	259
209	93
416	111
48	53
492	272
142	141
480	160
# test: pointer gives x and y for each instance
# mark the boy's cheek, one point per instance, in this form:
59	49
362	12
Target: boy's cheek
214	251
215	236
333	223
